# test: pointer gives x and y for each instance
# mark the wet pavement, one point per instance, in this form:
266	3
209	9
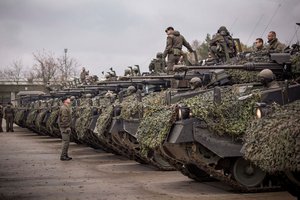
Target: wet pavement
30	169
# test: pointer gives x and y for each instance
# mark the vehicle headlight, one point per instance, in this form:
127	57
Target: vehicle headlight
183	112
258	113
260	110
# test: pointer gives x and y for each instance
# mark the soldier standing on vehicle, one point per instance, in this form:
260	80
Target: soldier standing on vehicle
65	117
274	45
83	76
1	118
268	79
9	115
173	49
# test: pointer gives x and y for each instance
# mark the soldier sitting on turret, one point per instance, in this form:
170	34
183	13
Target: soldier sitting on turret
158	64
268	79
222	46
195	83
274	45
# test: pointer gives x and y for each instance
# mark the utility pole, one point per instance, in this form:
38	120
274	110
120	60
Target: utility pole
66	50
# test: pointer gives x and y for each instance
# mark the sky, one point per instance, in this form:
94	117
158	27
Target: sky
101	34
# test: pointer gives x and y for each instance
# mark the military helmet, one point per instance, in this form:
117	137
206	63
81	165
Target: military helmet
72	98
131	89
266	74
223	31
195	82
159	55
88	95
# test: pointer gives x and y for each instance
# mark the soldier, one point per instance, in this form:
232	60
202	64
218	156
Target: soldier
158	64
222	45
195	83
268	79
274	45
259	45
65	117
9	115
1	117
83	76
173	49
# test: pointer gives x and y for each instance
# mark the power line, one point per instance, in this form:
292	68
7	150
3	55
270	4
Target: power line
257	23
279	5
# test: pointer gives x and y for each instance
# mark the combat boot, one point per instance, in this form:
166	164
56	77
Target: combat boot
65	158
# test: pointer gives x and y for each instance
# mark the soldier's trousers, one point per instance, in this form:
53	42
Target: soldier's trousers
9	123
172	60
1	130
65	136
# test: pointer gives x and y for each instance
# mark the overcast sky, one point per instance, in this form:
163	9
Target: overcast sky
118	33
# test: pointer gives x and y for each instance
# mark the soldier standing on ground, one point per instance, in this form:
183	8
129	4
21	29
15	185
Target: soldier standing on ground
65	117
1	117
9	115
274	45
173	49
268	79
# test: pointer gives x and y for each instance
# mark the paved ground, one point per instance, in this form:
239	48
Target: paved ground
30	169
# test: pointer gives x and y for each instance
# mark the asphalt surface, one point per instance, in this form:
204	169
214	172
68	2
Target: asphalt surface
30	169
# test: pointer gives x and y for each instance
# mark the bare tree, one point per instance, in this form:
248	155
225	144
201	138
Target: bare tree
14	72
67	68
46	66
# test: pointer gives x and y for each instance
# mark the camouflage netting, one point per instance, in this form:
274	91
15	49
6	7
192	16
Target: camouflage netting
19	116
230	117
83	121
30	118
270	142
104	121
155	126
242	76
51	122
105	118
296	63
156	122
131	108
39	120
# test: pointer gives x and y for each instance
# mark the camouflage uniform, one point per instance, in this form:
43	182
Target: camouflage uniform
83	76
1	117
267	78
9	115
275	46
222	42
173	49
158	64
65	119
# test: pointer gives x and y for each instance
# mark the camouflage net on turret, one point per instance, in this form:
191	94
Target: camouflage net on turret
242	76
270	142
230	117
